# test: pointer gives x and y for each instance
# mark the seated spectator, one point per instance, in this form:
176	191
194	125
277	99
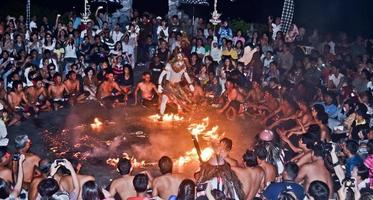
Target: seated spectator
287	184
140	183
123	186
167	184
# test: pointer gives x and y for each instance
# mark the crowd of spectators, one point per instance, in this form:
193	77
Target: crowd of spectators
311	92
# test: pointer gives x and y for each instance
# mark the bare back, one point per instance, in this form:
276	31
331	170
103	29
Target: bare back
270	171
123	187
66	183
166	185
29	165
252	179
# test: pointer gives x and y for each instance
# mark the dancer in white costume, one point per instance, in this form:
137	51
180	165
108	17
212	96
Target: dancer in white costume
169	83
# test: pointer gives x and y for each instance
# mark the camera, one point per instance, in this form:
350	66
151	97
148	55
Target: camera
326	147
201	187
59	161
349	182
16	156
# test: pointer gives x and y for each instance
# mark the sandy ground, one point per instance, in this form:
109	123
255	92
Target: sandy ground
67	133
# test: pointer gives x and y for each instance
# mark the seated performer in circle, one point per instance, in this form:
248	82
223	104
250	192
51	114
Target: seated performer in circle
148	91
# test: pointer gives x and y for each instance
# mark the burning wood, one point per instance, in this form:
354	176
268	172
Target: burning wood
96	125
167	118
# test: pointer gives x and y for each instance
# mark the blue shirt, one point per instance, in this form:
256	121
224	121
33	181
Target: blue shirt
352	162
275	189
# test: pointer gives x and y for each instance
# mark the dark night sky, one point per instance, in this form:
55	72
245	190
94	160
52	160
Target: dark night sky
351	15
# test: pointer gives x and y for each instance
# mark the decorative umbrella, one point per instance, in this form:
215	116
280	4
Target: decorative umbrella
195	3
287	15
110	5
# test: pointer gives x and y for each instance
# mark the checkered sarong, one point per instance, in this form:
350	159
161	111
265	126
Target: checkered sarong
287	15
195	2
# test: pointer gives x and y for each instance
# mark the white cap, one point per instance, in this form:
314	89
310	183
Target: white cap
159	18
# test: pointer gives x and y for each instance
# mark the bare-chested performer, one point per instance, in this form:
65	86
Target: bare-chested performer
234	101
18	102
66	182
22	144
269	169
148	91
57	92
109	91
225	146
167	184
315	171
123	186
73	86
5	172
252	176
37	96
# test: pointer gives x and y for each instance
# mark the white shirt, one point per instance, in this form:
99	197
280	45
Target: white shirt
116	36
216	54
275	28
332	47
70	51
33	25
127	48
172	76
199	50
336	79
165	31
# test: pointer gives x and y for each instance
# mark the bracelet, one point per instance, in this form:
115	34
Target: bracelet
336	164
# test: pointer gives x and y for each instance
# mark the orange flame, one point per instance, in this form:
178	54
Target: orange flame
167	117
96	124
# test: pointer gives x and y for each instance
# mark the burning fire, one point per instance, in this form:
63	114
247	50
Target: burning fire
192	155
167	117
135	163
201	130
96	124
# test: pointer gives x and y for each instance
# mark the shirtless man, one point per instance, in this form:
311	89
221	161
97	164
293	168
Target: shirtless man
315	171
37	96
106	89
17	100
252	176
22	144
45	169
57	91
267	106
123	186
283	113
270	170
233	105
66	182
148	91
225	146
73	86
5	172
167	184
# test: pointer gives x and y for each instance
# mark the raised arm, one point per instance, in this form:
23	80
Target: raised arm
18	187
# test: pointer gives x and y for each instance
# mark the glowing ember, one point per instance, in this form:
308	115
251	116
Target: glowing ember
96	124
112	162
167	117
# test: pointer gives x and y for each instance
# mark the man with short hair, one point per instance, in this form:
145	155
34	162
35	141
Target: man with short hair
56	92
225	146
318	191
287	184
315	170
252	176
22	144
269	169
167	184
148	91
140	183
105	91
350	148
123	186
18	101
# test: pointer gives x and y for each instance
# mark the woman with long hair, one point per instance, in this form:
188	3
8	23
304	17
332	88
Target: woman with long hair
187	190
91	191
